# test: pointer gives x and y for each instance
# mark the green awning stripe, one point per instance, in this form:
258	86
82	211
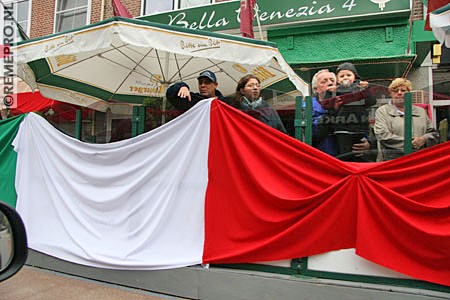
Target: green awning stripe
43	76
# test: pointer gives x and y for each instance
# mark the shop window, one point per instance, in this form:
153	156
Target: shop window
158	6
191	3
23	14
71	14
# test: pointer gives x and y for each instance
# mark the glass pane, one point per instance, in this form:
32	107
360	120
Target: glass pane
190	3
79	19
65	4
23	10
70	20
24	26
70	4
156	6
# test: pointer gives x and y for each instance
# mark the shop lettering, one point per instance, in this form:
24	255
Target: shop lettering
206	22
225	16
194	47
262	73
153	87
68	39
349	119
303	11
156	90
209	20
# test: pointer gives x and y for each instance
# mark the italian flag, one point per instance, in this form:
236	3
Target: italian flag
217	186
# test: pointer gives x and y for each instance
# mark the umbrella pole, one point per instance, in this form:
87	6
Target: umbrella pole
165	78
108	125
163	110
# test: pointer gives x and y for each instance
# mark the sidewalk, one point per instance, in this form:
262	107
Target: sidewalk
38	284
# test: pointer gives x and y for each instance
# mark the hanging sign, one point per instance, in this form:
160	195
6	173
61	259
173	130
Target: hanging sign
226	15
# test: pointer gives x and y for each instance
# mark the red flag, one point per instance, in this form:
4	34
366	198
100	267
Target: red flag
247	18
432	6
120	10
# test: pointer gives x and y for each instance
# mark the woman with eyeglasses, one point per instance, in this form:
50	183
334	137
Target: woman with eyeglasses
390	124
248	99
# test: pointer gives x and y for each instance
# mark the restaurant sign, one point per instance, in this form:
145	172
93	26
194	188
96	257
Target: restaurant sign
226	15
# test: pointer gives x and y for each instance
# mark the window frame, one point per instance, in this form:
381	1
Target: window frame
56	13
28	21
175	4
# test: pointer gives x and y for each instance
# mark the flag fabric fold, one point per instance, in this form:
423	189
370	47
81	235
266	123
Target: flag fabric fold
217	186
432	6
137	203
247	16
8	131
272	197
120	10
440	24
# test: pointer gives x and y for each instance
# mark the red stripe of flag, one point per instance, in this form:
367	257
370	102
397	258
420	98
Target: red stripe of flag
120	10
432	6
247	18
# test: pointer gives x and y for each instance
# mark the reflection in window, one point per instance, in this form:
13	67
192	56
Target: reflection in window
158	6
71	14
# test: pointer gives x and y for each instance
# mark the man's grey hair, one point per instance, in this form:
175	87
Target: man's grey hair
314	79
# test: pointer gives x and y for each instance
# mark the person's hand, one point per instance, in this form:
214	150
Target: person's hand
331	88
184	93
363	84
418	142
359	149
338	102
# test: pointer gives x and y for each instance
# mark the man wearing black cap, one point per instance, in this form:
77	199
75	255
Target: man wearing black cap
182	98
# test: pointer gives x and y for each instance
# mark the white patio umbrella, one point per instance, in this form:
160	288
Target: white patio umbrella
125	60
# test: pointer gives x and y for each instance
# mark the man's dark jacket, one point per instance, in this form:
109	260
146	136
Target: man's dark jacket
184	103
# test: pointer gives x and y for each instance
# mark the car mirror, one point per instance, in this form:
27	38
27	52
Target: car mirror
13	242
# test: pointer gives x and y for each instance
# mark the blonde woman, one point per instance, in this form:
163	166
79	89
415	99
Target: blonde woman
390	124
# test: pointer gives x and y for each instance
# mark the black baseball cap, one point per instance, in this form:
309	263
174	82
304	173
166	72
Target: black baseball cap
208	74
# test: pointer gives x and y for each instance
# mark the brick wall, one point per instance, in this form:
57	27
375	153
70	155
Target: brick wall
417	10
133	6
96	9
42	15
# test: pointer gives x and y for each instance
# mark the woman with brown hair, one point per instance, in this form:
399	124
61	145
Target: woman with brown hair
248	99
